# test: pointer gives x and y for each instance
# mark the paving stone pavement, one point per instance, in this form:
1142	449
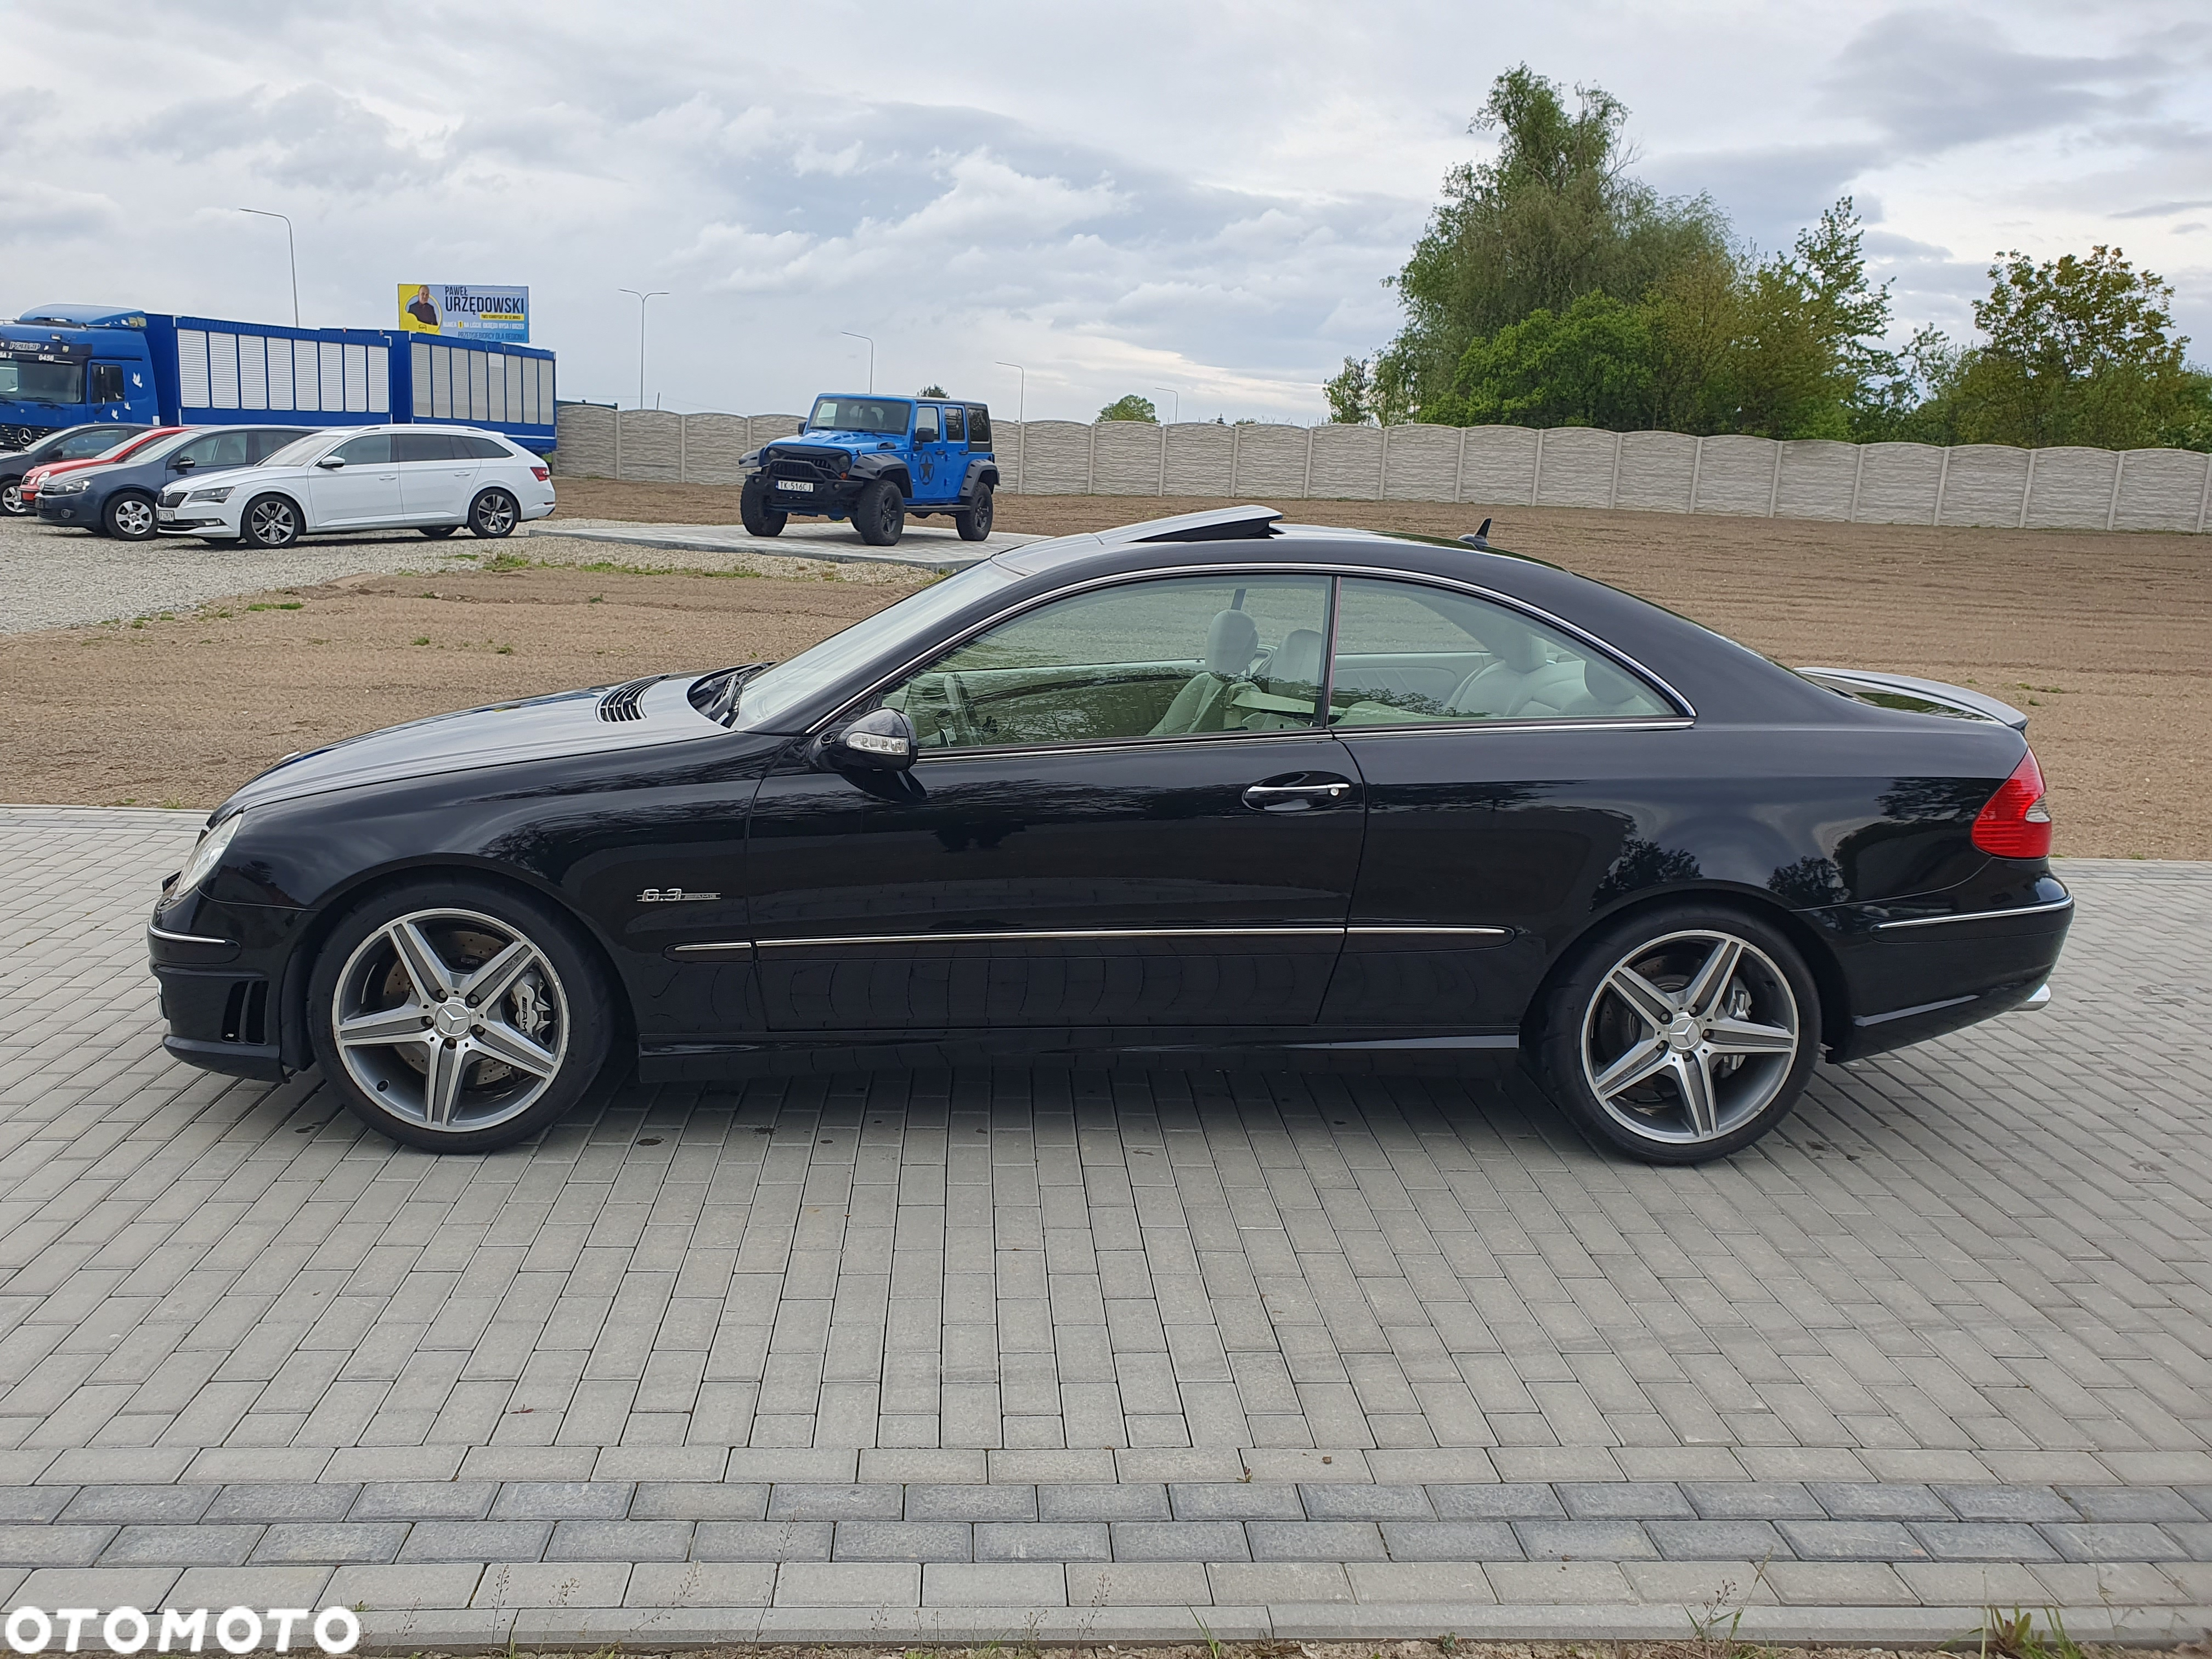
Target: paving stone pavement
961	1355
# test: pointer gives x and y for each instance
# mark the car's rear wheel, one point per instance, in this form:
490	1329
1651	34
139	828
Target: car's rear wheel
753	510
11	500
880	513
437	532
455	1015
128	516
1681	1034
976	523
493	515
270	521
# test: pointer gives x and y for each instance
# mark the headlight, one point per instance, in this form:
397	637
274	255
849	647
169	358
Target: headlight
213	844
222	494
65	487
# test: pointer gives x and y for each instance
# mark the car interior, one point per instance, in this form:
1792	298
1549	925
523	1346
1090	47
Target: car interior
1088	669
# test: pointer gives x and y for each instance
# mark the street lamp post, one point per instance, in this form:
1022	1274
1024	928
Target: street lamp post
291	253
1176	418
1021	417
849	335
657	293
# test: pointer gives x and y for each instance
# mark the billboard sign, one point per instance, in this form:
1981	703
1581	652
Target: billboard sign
466	311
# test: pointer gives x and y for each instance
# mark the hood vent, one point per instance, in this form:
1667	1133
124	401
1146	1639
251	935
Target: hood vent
620	703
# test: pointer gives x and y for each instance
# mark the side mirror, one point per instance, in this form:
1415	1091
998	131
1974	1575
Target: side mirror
881	742
330	464
183	463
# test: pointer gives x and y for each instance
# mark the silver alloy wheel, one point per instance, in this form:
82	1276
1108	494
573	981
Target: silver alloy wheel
134	518
1690	1036
11	498
451	1020
496	515
272	522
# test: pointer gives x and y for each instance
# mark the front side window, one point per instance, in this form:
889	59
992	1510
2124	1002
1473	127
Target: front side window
886	416
925	424
1183	656
370	449
1407	653
216	449
107	383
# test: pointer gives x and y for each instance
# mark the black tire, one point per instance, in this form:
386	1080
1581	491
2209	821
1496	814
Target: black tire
557	1009
128	516
1589	1029
493	515
976	523
270	522
436	532
758	516
11	499
880	513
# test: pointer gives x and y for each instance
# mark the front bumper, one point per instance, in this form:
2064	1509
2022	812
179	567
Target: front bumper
74	510
222	970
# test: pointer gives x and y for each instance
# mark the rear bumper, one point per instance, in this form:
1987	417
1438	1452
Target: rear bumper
1912	976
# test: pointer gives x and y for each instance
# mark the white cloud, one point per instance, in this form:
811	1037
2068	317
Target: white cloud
1118	198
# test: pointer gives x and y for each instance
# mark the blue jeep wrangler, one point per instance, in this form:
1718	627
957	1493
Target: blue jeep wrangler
874	460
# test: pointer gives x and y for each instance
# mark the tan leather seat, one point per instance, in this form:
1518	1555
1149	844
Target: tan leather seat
1232	640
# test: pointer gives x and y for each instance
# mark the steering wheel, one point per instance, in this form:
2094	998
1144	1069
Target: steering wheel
959	713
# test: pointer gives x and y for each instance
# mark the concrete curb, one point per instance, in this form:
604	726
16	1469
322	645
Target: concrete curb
678	541
674	1627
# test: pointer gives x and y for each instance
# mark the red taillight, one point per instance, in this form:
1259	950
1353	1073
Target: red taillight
2016	824
543	474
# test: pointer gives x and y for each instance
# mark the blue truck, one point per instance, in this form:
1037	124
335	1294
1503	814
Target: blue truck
69	365
876	461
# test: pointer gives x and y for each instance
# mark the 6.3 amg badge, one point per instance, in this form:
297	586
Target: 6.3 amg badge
673	895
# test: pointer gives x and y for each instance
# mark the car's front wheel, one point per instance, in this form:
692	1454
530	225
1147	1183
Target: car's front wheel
976	523
758	516
270	521
128	516
1680	1033
880	513
11	500
455	1015
493	515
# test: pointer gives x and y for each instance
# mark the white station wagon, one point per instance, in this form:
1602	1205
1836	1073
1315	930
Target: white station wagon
431	479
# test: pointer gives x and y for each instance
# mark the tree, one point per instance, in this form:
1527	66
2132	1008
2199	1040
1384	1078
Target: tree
1590	366
1131	408
2079	351
933	390
1554	216
1349	392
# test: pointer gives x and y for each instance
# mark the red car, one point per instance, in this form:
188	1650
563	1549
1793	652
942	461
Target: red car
128	447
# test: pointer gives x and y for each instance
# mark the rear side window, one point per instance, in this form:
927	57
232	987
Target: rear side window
978	426
470	448
370	449
956	426
423	446
1407	653
925	424
260	445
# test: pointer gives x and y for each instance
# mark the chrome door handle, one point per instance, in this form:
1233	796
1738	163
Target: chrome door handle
1273	794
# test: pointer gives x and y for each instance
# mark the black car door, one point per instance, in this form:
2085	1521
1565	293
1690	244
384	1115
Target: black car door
1124	812
1460	713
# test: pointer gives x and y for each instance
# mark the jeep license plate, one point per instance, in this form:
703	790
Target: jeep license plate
794	483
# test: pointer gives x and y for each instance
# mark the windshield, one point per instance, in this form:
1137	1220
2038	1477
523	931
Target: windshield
769	698
41	383
298	452
859	415
159	447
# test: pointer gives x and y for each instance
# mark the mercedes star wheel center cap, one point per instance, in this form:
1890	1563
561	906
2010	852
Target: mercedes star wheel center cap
1683	1033
452	1018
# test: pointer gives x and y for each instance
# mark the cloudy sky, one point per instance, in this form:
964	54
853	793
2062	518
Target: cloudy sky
1122	197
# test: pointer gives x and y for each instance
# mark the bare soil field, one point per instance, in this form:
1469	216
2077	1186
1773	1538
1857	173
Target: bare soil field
2106	639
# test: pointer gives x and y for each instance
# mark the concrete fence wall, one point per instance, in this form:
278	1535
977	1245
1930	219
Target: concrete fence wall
1491	466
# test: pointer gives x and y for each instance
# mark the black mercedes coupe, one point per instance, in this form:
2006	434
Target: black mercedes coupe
1210	790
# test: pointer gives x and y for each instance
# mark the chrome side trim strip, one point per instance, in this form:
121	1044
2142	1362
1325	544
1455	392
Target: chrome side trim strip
153	931
1033	935
1364	932
2066	904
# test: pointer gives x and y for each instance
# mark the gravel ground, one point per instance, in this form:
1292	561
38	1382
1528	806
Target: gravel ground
55	578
